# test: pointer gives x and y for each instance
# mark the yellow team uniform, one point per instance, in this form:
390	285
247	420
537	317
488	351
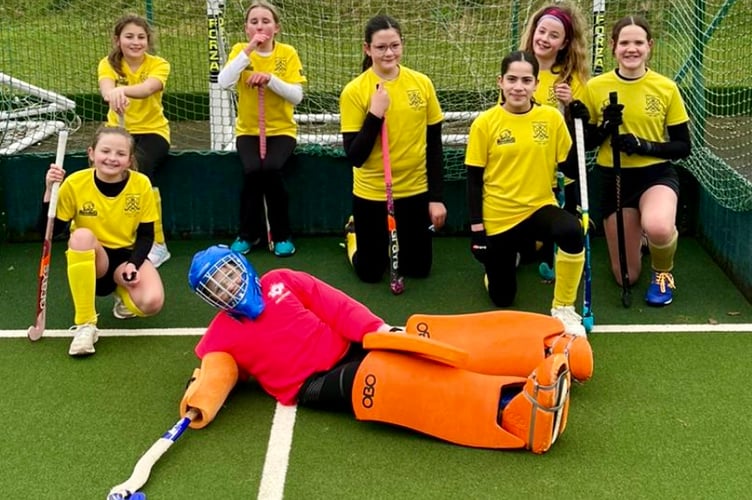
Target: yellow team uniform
413	107
651	104
112	220
284	63
545	95
519	154
144	116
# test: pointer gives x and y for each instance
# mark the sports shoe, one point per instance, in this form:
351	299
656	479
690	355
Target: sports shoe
571	320
284	248
660	289
240	245
84	338
120	311
159	254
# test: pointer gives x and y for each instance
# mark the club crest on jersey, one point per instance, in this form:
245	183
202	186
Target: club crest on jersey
505	137
280	66
88	209
132	204
414	99
540	132
653	106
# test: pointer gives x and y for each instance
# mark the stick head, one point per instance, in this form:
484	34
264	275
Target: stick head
397	286
35	332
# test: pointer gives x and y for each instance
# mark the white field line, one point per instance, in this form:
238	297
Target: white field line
272	485
196	332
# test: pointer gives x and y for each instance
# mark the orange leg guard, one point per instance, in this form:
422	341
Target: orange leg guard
461	406
506	342
209	387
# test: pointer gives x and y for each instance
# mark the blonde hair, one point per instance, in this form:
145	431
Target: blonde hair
265	5
572	60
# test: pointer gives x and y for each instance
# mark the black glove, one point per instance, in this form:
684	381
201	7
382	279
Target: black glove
631	144
577	109
612	116
478	245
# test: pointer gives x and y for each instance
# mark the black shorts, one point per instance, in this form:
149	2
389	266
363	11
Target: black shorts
634	182
106	284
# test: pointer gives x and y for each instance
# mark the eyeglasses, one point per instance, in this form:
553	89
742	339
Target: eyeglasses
381	49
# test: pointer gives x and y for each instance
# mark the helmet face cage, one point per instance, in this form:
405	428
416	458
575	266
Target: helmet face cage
225	284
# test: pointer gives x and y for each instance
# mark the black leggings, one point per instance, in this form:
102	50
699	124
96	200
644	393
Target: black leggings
263	179
415	244
332	390
547	223
152	151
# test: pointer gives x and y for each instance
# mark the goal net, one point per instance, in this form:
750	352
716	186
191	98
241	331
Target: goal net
29	114
459	44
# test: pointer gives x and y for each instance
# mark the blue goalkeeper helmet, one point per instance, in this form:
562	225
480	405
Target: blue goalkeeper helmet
226	280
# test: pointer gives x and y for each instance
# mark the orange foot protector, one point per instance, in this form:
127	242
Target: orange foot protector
464	407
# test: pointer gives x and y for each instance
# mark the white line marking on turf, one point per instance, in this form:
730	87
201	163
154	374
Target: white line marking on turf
702	328
272	485
197	332
116	332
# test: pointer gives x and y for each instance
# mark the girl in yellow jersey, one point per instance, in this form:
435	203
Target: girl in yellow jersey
132	81
555	34
264	63
654	128
386	88
111	211
512	153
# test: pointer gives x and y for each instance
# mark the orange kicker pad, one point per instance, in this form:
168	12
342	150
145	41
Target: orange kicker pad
506	342
461	406
209	387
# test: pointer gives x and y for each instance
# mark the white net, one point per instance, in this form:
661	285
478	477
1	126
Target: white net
29	114
459	44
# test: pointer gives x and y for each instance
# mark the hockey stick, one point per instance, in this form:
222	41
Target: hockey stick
587	312
36	331
262	155
143	467
626	293
396	282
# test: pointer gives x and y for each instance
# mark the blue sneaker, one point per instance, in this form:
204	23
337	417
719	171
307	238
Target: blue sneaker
660	291
284	248
240	245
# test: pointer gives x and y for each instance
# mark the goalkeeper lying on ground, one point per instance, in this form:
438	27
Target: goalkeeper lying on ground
491	380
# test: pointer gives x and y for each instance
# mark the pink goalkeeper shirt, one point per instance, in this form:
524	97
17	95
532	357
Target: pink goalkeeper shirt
306	327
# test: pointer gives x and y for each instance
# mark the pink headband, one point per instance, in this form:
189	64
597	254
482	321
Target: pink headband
561	16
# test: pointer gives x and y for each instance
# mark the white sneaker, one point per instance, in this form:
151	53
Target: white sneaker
84	338
159	254
571	320
120	311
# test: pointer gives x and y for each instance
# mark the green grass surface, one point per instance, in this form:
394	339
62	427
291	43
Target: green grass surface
663	417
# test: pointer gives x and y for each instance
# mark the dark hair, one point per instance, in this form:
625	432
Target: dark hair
519	56
629	21
378	23
105	130
115	57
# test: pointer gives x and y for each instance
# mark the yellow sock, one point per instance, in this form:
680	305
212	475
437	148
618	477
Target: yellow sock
159	237
568	268
662	257
82	278
128	302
